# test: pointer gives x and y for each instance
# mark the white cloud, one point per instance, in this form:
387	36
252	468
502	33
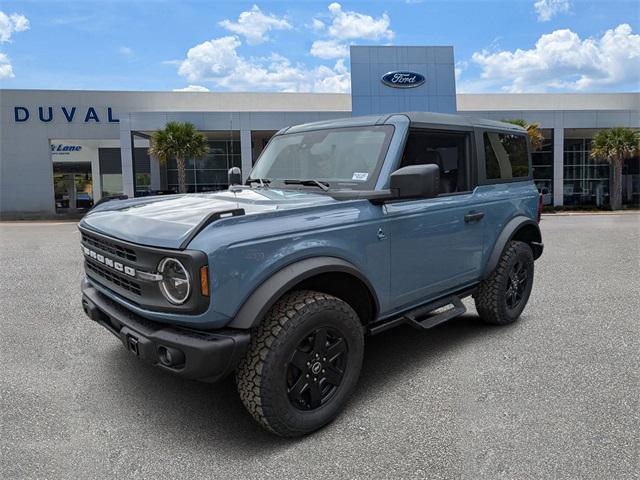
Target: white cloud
562	60
348	25
126	51
214	57
192	88
317	25
218	61
345	26
547	9
254	25
328	49
10	24
460	67
6	70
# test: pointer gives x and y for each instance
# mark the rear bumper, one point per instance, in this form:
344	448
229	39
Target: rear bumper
205	356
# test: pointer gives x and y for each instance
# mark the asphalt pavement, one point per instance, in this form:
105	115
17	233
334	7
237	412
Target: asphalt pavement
555	395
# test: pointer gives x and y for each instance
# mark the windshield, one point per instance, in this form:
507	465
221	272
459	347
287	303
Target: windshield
338	158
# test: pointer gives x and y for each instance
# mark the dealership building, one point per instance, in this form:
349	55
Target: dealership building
61	151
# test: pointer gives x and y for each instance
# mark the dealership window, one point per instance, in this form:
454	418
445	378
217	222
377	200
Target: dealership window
142	170
72	174
110	171
631	182
542	161
506	156
208	173
586	180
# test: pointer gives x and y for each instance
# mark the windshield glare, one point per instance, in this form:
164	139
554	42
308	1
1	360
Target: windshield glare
341	157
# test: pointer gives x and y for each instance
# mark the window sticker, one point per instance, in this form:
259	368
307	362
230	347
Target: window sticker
361	176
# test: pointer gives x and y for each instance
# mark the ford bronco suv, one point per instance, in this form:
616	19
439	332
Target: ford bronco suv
343	229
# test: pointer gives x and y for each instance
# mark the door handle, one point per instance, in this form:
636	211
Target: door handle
473	217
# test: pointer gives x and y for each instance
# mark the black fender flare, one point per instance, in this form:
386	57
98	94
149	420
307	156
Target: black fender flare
268	293
508	233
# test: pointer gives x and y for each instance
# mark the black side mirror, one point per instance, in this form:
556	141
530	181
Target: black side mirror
234	176
416	181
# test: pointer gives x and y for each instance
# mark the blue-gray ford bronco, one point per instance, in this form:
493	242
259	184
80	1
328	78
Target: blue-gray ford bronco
343	229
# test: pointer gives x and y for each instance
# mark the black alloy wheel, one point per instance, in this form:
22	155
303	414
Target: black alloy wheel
302	364
501	298
316	368
516	284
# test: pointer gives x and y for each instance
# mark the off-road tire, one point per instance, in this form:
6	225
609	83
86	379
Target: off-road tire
261	376
490	297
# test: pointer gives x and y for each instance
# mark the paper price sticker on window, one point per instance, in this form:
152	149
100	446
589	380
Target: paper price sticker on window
360	176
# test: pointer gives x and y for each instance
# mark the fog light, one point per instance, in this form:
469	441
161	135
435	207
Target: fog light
170	357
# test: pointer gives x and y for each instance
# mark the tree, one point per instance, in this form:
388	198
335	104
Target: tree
615	145
533	129
180	141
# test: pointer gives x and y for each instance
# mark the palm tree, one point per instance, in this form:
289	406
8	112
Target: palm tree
615	145
180	141
533	129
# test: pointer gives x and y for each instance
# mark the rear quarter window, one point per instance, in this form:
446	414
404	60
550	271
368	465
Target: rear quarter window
506	156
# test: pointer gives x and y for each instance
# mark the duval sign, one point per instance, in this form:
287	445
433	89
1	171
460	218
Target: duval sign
403	79
46	114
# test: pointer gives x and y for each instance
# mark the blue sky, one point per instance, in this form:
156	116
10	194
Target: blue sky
507	46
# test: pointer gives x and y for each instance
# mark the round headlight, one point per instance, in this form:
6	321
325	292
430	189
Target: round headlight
175	284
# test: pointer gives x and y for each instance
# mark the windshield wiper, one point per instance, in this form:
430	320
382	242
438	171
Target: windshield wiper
261	181
310	183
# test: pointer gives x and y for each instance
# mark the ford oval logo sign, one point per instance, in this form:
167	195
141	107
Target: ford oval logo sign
402	79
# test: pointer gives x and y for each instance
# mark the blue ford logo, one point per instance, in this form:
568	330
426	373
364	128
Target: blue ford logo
401	79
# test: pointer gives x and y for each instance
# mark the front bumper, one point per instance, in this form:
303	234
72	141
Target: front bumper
205	356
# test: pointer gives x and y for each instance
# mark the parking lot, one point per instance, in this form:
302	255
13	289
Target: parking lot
555	395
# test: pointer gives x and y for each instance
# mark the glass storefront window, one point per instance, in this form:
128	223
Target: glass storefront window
111	184
73	187
209	173
586	180
542	161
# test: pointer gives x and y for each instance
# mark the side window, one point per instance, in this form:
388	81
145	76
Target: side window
506	156
448	150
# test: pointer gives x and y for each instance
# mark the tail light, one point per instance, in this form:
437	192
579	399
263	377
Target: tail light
540	207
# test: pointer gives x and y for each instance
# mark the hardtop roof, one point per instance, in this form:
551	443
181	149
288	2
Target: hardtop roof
417	118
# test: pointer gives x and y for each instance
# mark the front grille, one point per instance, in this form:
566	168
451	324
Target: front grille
114	278
109	247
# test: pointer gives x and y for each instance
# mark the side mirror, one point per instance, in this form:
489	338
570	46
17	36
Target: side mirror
234	176
416	181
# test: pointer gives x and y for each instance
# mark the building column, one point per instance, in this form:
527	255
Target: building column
558	166
245	153
126	157
155	174
96	178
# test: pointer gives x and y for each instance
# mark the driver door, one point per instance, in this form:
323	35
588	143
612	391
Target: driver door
436	243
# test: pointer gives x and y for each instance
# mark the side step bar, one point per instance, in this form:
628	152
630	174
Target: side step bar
426	316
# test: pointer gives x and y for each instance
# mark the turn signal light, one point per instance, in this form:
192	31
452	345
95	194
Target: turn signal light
204	281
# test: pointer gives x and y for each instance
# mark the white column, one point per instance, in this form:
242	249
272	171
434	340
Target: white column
558	166
245	153
126	156
96	179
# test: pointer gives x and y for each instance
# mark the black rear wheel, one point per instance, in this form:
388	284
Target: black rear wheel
302	364
501	298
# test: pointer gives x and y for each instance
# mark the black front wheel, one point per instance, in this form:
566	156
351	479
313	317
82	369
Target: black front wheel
501	298
302	364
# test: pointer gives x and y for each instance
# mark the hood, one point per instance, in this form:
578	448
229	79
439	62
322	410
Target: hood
166	221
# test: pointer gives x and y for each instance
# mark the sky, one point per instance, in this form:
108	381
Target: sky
508	46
